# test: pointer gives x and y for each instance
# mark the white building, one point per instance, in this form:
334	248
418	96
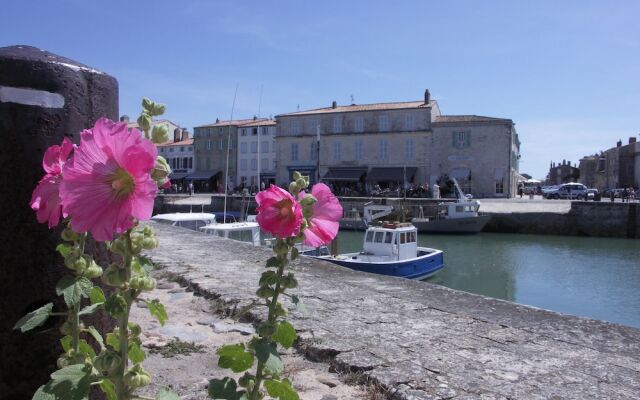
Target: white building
390	144
256	153
180	156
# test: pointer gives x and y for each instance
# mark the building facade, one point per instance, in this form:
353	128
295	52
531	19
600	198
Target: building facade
562	173
180	157
256	154
388	145
617	167
212	143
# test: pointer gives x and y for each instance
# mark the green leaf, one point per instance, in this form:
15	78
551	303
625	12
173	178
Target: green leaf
64	249
267	353
34	318
298	304
115	305
294	253
113	340
66	343
281	389
273	262
166	394
86	348
69	383
97	295
235	358
109	389
285	334
142	265
73	289
90	309
97	336
268	278
136	354
157	310
224	389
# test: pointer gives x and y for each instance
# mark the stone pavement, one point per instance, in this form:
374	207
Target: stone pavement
419	340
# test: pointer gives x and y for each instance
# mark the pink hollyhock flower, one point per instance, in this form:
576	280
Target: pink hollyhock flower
45	199
278	212
107	185
323	225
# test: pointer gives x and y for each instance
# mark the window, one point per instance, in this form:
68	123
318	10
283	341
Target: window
243	165
170	149
337	151
161	149
409	122
337	125
313	126
358	150
384	150
461	139
190	148
243	148
313	153
254	147
359	124
369	236
208	162
408	150
221	145
294	151
243	132
231	145
254	164
499	187
264	147
295	127
383	123
265	163
378	237
190	163
254	131
388	236
181	148
220	131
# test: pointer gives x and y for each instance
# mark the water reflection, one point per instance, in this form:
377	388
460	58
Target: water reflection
592	277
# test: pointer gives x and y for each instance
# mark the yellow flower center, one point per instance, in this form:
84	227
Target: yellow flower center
285	208
122	183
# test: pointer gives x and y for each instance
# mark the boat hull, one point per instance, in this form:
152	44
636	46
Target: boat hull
352	224
428	262
453	225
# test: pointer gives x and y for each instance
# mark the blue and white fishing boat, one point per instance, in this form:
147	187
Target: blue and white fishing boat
391	249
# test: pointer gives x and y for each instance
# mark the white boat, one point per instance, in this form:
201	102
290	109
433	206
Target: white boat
189	220
461	216
391	249
240	231
353	221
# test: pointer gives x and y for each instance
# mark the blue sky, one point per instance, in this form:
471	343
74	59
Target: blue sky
567	72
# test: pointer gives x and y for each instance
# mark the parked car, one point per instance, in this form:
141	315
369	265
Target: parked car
576	191
547	190
616	193
593	194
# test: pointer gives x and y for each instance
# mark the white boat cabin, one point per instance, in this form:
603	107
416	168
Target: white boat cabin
240	231
398	240
186	220
463	209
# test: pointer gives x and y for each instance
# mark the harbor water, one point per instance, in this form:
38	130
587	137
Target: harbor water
591	277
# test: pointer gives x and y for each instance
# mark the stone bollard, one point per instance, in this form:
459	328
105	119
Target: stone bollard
43	97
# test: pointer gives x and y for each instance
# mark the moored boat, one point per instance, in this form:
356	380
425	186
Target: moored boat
189	220
391	249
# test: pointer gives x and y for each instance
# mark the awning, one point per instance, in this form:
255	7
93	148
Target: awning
344	174
391	174
202	175
174	176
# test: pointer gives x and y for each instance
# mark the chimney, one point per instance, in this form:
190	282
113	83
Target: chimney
632	140
255	118
619	144
427	96
176	135
564	162
217	120
124	118
185	135
334	104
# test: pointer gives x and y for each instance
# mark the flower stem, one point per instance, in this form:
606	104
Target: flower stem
122	390
270	318
75	310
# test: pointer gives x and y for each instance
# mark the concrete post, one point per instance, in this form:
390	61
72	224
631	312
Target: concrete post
43	97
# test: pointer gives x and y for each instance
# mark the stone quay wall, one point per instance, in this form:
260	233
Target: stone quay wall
415	339
585	218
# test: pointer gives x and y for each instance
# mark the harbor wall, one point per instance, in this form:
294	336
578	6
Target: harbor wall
415	340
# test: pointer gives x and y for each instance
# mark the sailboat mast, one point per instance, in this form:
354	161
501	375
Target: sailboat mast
226	172
259	106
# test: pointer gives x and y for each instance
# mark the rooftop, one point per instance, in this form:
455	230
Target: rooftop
362	107
187	142
467	118
235	122
260	122
134	124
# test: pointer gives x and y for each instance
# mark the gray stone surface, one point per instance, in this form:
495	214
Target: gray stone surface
419	340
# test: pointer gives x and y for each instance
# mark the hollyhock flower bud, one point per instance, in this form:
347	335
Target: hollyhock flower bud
114	275
144	121
69	235
159	134
137	377
93	270
107	362
278	212
293	187
161	171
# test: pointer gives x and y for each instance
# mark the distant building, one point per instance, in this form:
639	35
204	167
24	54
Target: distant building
389	144
562	173
180	157
256	153
617	167
212	142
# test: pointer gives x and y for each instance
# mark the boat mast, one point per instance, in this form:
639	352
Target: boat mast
226	172
259	106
